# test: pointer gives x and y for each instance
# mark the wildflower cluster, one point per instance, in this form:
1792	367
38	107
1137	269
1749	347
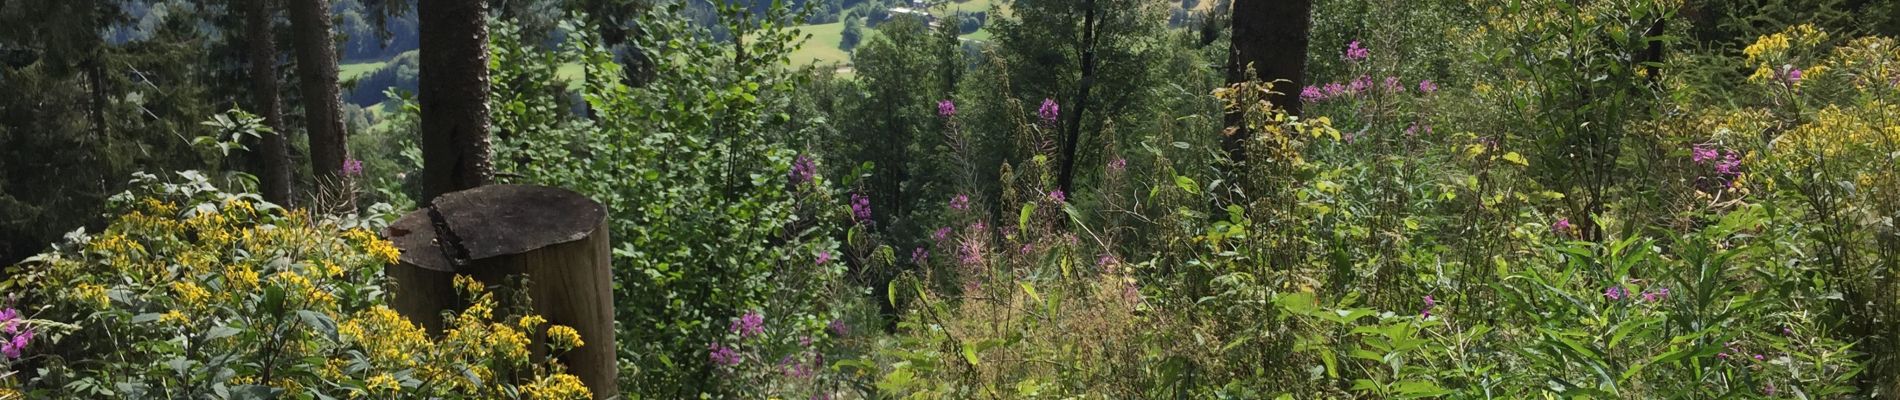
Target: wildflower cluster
266	298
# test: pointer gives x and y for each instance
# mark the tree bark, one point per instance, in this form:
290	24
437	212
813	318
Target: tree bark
556	238
1271	38
322	98
454	96
263	58
1066	180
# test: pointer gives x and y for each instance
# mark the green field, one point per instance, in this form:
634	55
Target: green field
352	71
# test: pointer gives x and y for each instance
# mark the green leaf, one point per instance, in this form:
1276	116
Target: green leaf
1515	158
1187	184
1022	221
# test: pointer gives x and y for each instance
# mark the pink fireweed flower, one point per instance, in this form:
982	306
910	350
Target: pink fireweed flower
838	327
919	256
1429	303
1312	94
803	169
861	208
946	108
960	203
748	325
1392	84
1049	111
1416	127
1427	87
1360	85
1058	197
940	234
1118	165
1655	295
1615	292
352	167
1727	168
722	356
1334	89
1562	227
824	257
1354	53
1794	76
1702	154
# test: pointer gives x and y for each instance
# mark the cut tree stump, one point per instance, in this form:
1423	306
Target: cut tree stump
554	237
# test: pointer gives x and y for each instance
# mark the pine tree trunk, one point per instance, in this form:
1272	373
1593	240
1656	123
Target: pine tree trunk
1271	37
322	98
1066	179
275	178
454	96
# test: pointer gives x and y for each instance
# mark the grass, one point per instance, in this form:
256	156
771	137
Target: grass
357	70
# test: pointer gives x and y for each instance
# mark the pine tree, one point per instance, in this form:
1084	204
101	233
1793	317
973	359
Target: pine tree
454	96
322	97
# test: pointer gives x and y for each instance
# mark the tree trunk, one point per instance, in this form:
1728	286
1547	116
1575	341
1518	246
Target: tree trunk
263	48
556	238
454	96
1066	180
1271	38
322	98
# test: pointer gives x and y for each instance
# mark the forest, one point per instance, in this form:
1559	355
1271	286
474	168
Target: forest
949	199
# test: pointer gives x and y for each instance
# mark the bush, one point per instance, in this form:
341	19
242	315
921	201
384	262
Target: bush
192	292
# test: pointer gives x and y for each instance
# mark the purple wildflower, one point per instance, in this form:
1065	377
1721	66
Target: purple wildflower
1562	227
1702	154
723	356
1416	127
1429	304
1392	84
1360	85
1655	295
940	234
1334	89
1768	389
1427	87
1312	94
1794	76
1355	53
748	325
838	327
1049	111
1615	292
946	108
352	167
919	256
824	257
1118	165
960	203
803	169
1057	196
1727	167
1759	357
861	208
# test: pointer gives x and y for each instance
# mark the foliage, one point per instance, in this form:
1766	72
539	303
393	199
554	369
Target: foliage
195	293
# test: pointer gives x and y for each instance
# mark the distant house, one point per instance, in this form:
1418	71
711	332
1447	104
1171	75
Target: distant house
894	12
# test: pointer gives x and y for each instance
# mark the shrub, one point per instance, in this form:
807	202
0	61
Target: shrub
192	292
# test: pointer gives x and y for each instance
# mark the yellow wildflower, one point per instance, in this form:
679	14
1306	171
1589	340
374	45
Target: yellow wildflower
93	294
531	321
564	337
174	317
557	387
383	383
190	293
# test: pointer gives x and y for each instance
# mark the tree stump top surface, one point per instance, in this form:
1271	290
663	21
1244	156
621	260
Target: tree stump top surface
491	221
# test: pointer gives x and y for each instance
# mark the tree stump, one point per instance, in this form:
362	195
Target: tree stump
554	237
